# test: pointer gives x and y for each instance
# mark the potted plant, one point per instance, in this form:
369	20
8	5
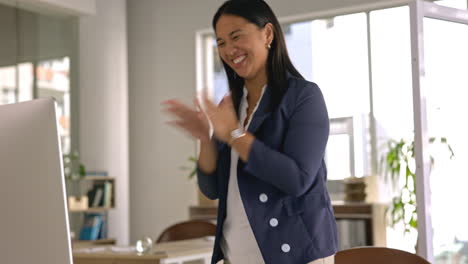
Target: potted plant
398	161
73	169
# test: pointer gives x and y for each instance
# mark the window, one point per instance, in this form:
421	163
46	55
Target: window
340	149
35	61
213	75
53	81
446	56
7	85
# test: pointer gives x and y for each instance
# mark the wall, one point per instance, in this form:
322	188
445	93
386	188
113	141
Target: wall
161	42
63	7
28	36
103	103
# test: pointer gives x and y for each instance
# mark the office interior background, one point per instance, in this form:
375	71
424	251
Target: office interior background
110	64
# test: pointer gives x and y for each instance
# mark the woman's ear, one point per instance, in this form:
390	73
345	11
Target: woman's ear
270	33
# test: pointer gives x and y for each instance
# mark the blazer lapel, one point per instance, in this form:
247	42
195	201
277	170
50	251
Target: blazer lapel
261	113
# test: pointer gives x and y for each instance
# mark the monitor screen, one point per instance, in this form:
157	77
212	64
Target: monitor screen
34	221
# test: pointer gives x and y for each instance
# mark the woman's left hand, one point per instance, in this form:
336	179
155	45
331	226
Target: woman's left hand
222	117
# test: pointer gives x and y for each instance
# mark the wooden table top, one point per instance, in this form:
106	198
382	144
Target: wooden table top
160	250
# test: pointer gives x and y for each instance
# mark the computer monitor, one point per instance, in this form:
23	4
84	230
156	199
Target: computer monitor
33	211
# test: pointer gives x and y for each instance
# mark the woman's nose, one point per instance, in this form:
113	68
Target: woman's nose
231	50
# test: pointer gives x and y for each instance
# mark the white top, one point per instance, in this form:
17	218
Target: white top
238	243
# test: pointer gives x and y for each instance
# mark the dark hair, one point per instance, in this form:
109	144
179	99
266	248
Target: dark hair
278	62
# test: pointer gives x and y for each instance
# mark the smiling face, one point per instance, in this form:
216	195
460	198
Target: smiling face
243	46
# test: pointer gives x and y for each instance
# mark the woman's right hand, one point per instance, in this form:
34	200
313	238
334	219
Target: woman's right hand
189	120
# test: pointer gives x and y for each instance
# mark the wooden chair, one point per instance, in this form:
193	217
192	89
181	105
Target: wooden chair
374	255
187	230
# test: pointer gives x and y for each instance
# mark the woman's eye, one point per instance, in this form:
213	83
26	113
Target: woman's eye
235	37
220	44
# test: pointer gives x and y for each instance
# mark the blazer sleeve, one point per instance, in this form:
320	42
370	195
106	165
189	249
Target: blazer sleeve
294	169
208	183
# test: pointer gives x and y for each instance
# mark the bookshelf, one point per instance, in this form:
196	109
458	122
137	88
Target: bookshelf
91	210
103	203
91	196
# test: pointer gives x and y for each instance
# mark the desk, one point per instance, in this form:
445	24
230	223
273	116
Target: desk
372	214
163	253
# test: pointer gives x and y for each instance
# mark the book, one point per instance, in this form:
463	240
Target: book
108	194
103	230
91	227
97	173
98	196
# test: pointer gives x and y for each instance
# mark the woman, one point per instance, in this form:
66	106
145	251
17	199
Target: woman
265	159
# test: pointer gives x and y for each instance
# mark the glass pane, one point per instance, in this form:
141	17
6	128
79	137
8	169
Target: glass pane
338	157
53	80
219	75
445	84
393	100
298	37
340	63
7	85
391	73
214	76
26	80
460	4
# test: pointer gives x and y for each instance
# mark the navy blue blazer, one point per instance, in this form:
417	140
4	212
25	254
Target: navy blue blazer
283	179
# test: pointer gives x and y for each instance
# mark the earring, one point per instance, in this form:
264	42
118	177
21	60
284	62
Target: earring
269	46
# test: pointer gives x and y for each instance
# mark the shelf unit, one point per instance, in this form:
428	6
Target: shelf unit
87	182
91	210
82	186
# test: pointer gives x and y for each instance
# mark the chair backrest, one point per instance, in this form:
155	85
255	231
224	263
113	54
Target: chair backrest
187	230
380	255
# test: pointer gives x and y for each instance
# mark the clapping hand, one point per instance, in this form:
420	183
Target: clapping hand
191	120
222	117
197	121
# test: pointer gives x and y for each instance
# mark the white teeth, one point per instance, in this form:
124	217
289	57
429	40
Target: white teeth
239	59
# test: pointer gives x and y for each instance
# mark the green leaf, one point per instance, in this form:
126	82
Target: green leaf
452	154
82	170
413	223
193	168
399	155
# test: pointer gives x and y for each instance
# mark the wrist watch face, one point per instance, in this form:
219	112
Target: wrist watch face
237	132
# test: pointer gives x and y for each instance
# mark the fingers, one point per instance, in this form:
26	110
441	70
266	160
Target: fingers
175	123
227	101
180	126
175	104
198	106
209	106
188	120
176	108
186	128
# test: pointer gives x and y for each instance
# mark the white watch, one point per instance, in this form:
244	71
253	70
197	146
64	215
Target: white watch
236	133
